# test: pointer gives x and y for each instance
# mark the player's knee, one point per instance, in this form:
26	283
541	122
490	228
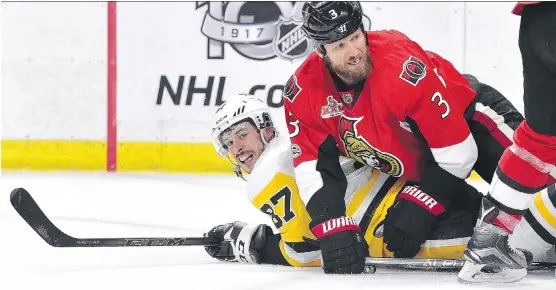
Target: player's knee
546	53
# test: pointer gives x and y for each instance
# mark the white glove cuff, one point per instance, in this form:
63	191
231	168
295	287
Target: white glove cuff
243	243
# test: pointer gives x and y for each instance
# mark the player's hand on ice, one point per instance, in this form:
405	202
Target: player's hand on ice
342	246
240	242
409	221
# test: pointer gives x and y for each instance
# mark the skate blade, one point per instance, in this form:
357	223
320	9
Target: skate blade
472	273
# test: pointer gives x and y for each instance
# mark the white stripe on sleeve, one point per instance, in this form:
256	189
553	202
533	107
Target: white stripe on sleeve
457	159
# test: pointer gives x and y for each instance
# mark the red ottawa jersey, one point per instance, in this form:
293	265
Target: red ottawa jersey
371	126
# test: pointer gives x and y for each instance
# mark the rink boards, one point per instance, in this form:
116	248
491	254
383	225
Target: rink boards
133	86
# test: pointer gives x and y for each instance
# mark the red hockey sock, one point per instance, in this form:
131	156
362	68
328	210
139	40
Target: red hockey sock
531	159
523	170
543	147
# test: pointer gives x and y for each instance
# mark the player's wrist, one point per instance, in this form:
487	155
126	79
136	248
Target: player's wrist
323	209
335	225
430	202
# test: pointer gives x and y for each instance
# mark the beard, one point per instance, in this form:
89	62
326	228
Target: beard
352	75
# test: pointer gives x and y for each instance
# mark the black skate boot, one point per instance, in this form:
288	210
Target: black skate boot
489	257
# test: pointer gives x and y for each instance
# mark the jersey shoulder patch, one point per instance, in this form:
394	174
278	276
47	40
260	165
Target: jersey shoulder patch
304	74
292	89
413	70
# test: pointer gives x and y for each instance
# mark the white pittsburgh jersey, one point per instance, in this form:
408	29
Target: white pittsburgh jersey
272	189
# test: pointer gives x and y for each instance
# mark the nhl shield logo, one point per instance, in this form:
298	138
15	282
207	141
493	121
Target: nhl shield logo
347	98
290	41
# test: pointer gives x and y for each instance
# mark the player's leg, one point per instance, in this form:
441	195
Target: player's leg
537	230
492	120
525	166
537	42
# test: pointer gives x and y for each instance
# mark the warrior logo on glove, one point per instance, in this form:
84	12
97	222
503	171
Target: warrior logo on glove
359	149
420	197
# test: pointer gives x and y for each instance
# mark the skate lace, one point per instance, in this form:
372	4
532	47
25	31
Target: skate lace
515	252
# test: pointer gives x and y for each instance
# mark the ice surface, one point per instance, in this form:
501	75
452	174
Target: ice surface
143	205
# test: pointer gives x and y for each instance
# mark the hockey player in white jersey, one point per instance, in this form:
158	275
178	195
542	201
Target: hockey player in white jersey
245	134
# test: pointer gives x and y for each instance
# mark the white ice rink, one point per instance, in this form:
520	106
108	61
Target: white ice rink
142	205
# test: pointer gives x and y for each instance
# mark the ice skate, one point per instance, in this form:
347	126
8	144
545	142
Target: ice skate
489	257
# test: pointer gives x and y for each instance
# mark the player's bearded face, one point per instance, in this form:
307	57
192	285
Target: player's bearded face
244	144
349	58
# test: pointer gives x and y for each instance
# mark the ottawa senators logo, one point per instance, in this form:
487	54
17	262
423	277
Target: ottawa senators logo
359	149
413	71
291	89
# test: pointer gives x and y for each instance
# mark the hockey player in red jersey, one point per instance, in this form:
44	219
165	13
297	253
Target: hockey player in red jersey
379	98
527	166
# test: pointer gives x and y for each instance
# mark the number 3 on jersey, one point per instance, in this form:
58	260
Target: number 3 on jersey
439	100
284	198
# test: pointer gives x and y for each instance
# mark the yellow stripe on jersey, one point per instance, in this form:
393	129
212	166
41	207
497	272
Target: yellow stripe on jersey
447	252
360	194
375	243
544	211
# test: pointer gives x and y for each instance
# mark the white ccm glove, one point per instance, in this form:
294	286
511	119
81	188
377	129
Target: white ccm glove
240	242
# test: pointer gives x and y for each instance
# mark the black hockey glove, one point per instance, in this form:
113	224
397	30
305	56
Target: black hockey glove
240	242
410	220
342	246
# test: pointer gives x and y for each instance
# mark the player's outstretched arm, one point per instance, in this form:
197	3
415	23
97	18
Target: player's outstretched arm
322	185
258	244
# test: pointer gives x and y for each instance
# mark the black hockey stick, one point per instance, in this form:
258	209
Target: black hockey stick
433	264
28	209
417	264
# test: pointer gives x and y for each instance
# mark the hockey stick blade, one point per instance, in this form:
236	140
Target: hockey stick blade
28	209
